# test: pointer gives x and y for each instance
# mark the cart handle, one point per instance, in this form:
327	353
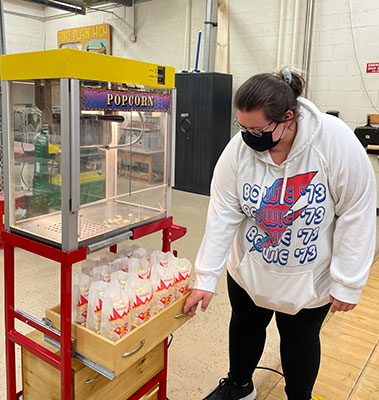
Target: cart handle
92	380
135	350
181	315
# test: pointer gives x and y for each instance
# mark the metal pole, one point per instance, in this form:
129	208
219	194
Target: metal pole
65	362
207	35
187	37
280	35
134	35
307	42
2	32
294	34
2	51
71	6
9	294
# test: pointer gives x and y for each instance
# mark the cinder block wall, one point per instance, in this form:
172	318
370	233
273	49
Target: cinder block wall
23	25
338	78
345	40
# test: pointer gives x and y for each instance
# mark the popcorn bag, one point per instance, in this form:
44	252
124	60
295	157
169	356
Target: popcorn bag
163	279
139	253
80	292
142	300
156	256
127	251
123	262
102	273
88	266
95	303
115	265
149	252
120	277
167	257
182	270
116	313
140	267
159	257
107	258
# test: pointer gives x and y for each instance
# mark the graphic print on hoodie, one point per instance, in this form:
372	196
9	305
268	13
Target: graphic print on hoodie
277	212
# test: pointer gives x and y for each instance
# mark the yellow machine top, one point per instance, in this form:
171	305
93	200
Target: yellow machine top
78	64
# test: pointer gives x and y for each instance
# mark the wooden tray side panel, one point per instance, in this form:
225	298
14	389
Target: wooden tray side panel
40	380
87	343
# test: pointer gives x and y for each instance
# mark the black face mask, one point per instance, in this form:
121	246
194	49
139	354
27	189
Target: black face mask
259	143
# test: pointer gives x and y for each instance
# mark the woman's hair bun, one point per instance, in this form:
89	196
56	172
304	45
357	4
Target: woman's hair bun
294	80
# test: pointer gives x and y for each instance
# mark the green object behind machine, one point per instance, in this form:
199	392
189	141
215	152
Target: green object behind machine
47	178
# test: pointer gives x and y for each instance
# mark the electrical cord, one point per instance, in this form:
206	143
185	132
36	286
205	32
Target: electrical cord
28	187
110	12
271	369
170	341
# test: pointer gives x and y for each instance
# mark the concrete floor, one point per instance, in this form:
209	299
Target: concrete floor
198	356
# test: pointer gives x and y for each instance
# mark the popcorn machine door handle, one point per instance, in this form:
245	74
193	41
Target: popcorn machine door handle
135	350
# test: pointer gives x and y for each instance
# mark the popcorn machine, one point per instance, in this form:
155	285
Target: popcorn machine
82	174
88	163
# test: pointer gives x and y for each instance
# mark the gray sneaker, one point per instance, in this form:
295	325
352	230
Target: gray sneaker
228	390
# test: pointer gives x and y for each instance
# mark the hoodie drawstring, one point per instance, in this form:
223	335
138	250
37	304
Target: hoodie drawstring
284	186
261	192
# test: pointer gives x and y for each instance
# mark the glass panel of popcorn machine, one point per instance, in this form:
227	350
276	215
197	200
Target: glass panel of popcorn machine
35	165
126	182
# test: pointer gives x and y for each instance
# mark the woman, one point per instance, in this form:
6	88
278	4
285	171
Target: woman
293	214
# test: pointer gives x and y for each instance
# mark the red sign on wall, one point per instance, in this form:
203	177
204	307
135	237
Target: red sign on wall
372	68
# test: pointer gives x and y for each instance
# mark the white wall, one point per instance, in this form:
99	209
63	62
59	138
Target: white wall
335	80
24	26
254	27
338	75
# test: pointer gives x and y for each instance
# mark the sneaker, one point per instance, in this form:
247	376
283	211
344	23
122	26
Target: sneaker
228	390
316	398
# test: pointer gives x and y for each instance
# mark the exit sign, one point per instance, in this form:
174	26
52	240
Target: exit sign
372	68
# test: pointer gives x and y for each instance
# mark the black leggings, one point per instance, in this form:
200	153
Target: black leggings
299	342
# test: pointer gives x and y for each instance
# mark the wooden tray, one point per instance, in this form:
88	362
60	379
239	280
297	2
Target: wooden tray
145	337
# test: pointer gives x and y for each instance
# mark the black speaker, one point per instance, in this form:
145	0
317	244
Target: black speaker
203	116
333	112
367	134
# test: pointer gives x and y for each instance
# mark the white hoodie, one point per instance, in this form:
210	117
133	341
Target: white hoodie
293	233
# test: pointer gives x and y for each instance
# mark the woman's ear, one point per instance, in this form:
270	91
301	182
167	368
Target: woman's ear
288	115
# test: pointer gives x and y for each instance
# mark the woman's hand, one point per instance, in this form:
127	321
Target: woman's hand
194	299
340	305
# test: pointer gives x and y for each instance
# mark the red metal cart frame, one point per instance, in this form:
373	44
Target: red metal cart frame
66	259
